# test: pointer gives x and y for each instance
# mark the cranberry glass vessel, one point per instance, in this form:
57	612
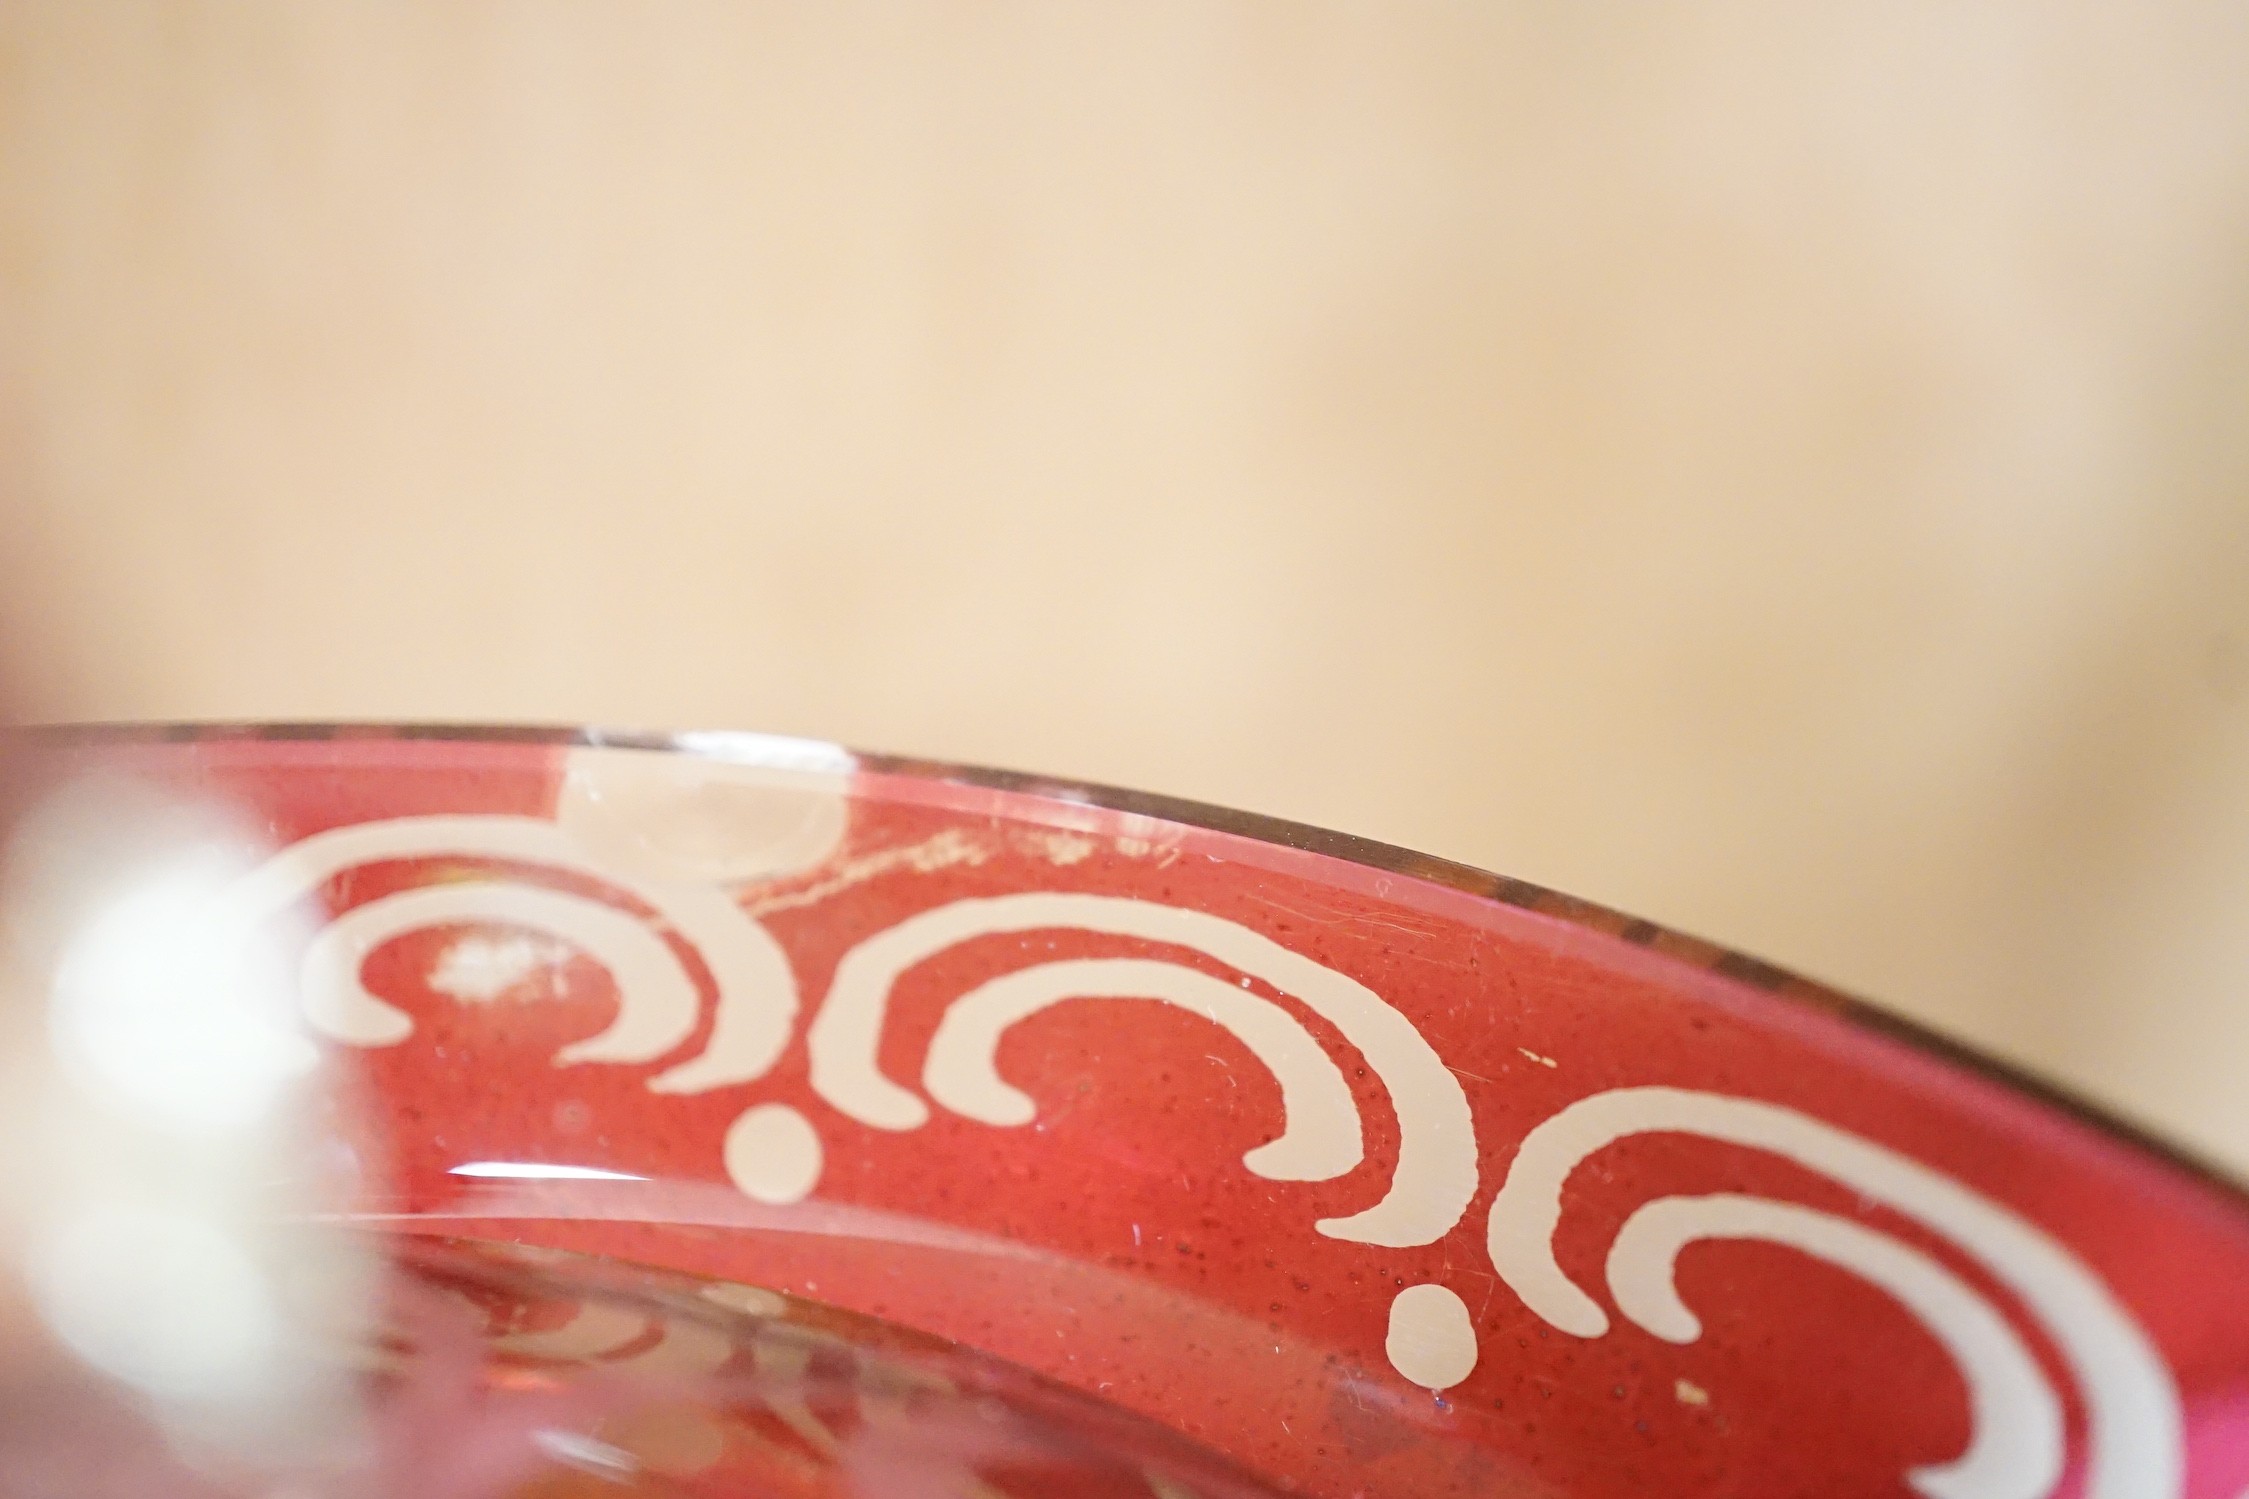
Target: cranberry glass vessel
1359	1173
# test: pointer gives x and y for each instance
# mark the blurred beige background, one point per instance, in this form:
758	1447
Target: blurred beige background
1782	470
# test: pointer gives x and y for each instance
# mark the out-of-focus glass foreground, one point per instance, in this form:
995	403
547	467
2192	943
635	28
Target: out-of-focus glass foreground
1777	471
196	1297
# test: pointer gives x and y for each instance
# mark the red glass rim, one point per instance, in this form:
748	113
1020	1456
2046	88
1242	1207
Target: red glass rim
784	753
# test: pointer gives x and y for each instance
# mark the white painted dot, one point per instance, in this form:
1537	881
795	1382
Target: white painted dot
1432	1341
773	1155
756	1301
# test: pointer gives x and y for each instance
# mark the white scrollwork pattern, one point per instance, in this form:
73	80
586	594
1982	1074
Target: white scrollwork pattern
1320	1139
662	921
2136	1450
1436	1172
757	995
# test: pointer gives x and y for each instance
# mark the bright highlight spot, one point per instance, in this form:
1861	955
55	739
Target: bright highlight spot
162	1006
165	1301
541	1171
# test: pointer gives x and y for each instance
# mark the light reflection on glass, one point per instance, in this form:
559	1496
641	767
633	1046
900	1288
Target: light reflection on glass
159	1007
159	1142
169	1302
541	1171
